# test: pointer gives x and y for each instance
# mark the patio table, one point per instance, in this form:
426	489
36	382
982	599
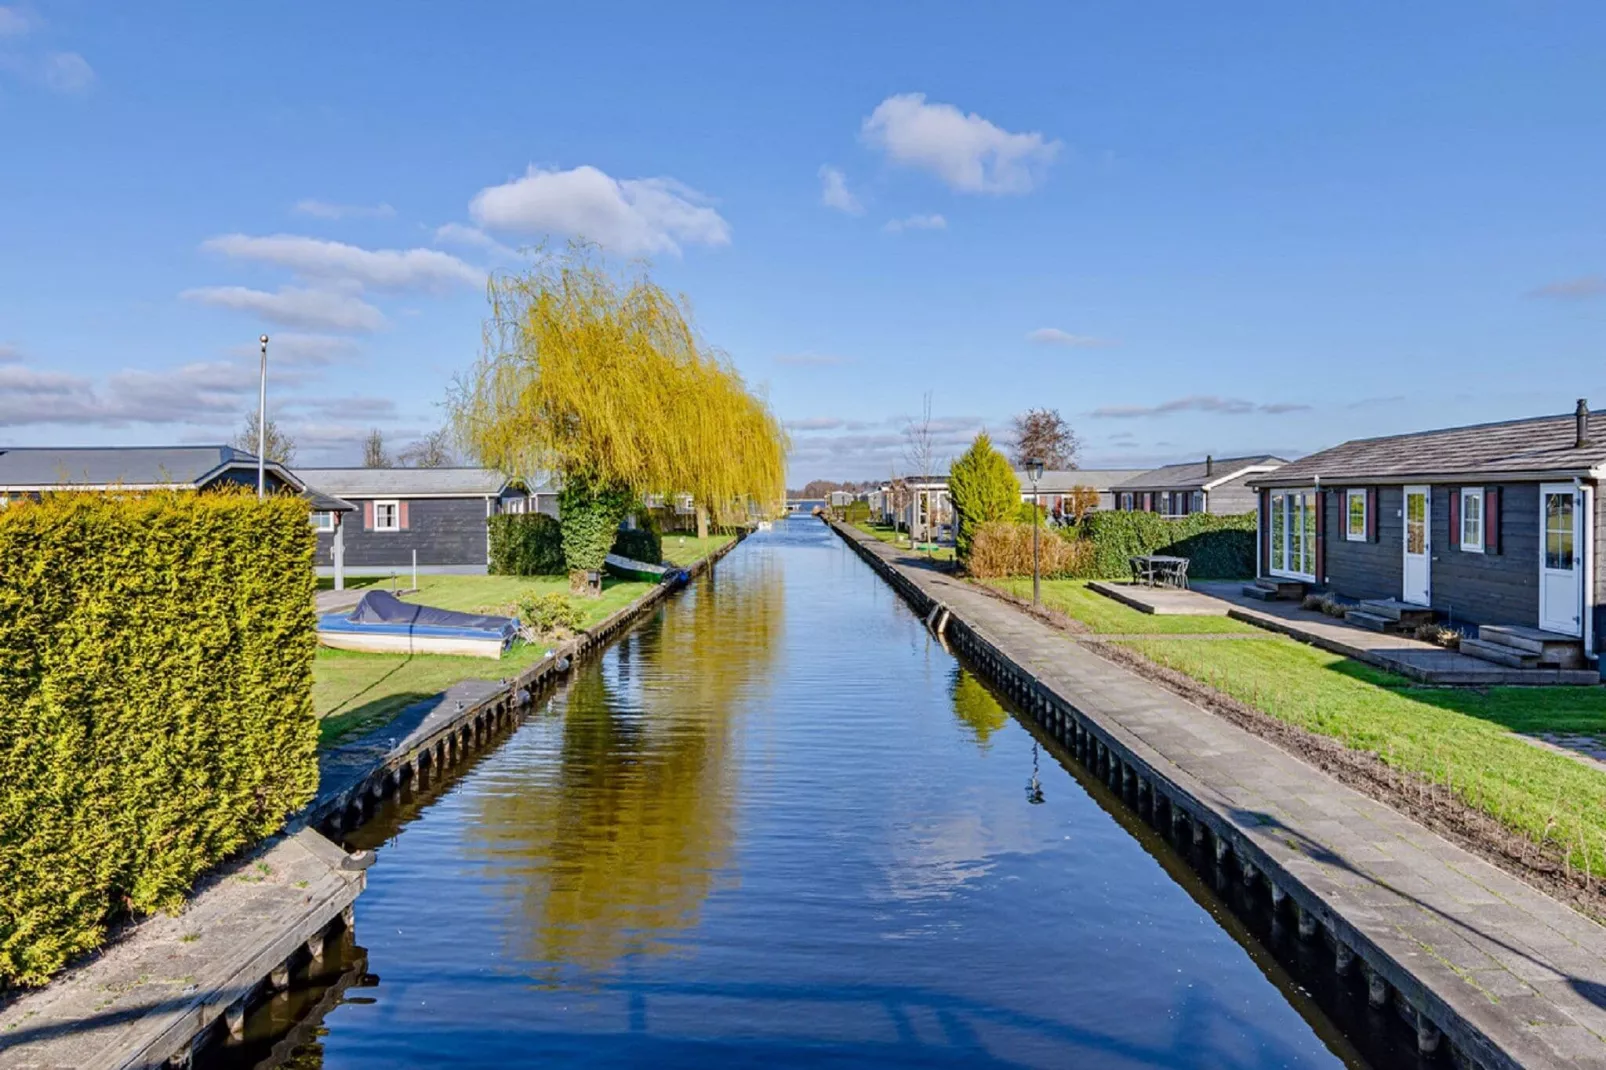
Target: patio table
1160	570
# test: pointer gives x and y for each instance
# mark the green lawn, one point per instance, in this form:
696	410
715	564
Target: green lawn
684	550
1461	738
898	538
1109	617
352	692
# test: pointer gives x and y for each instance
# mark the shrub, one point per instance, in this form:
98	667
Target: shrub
526	544
1023	513
1005	549
1217	547
639	544
857	512
983	490
1439	635
155	703
550	614
1312	602
589	514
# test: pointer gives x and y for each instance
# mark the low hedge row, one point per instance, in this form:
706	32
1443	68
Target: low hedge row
1217	547
155	703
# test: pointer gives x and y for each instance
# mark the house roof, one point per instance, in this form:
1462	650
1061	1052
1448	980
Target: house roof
1061	480
1540	447
408	482
1200	475
133	467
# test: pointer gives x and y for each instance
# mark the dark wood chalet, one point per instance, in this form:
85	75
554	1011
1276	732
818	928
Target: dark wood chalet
1219	487
1493	525
436	517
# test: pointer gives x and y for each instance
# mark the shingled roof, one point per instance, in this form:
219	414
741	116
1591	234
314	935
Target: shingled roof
1541	448
409	482
33	468
1199	475
1059	481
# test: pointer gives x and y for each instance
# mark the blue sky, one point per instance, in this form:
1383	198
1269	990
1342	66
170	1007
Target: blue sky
1191	228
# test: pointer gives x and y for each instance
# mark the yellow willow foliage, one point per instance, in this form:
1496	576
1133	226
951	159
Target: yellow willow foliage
588	371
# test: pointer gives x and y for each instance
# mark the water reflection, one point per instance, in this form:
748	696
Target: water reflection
975	706
611	837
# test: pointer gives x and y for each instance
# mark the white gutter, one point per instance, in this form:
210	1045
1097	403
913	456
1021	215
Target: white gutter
1214	483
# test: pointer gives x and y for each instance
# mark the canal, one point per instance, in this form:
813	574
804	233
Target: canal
780	824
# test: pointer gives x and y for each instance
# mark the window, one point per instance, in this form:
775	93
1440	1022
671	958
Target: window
1293	533
1126	502
1197	505
1559	531
1355	515
387	516
323	521
1472	520
513	506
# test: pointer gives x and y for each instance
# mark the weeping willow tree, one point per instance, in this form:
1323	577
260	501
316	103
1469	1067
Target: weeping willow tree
599	376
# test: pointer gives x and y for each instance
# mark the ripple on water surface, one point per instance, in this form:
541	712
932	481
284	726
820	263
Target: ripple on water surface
779	824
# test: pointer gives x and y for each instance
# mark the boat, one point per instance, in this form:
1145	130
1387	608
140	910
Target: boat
381	623
632	569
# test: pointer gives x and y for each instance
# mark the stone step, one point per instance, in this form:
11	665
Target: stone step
1500	655
1371	621
1264	594
1552	649
1405	613
1274	588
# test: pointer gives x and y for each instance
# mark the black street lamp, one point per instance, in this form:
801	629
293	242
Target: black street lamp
1034	472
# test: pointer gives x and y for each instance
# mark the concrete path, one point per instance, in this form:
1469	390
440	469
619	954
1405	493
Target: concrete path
143	999
1397	653
1161	601
1510	975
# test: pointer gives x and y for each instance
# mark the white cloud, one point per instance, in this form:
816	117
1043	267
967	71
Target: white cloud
67	72
1053	336
1200	403
834	192
294	307
292	349
473	238
384	269
325	210
631	216
915	222
967	152
202	393
1579	289
14	22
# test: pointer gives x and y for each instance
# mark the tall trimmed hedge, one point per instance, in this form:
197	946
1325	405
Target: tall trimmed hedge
155	703
1218	547
589	512
526	544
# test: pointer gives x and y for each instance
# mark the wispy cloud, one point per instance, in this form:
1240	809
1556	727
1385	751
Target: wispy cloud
1580	289
834	192
294	306
383	269
915	222
327	210
1199	403
1053	336
467	237
302	350
630	216
14	22
200	393
967	152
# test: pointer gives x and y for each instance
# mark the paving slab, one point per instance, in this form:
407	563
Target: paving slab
142	1000
1412	905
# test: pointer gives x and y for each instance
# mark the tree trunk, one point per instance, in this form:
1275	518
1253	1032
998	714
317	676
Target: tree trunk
702	522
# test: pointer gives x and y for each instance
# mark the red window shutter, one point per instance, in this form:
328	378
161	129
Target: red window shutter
1265	530
1492	543
401	515
1321	536
368	516
1455	518
1371	514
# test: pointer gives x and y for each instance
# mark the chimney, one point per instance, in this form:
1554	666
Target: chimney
1581	415
1210	463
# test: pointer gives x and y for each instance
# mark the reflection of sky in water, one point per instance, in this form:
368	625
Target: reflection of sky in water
781	827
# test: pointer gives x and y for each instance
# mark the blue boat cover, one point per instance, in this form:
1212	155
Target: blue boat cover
382	607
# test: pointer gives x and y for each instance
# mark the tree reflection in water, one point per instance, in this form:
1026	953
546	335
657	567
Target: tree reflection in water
625	815
976	707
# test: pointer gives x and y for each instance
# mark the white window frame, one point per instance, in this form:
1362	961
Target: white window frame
323	520
395	514
1474	494
1196	502
1307	555
1350	497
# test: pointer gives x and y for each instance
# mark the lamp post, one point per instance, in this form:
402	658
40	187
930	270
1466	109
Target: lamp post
1034	472
262	422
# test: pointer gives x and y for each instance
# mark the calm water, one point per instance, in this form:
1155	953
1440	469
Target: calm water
779	824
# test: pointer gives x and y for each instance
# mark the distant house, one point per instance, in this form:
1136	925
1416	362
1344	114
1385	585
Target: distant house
438	514
1493	524
1055	485
1219	487
35	469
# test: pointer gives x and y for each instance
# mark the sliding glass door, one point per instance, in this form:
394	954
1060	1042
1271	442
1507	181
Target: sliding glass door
1293	534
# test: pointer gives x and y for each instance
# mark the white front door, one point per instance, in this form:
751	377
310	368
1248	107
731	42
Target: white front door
1418	546
1560	571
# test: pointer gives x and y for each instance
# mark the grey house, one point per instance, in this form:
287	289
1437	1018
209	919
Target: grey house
432	517
1216	486
35	469
1055	485
1491	525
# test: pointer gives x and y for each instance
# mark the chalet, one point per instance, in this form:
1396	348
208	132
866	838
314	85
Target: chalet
435	518
1055	486
1492	525
34	469
1216	486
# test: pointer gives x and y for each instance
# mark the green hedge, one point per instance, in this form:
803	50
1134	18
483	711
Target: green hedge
155	703
639	544
526	544
1217	547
